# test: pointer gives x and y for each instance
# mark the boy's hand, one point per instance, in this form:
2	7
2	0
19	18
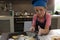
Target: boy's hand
32	29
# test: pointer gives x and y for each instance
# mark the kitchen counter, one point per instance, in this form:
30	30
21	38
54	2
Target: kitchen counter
5	17
10	17
53	16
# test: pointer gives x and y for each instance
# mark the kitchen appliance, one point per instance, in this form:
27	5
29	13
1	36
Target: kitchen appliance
19	19
19	24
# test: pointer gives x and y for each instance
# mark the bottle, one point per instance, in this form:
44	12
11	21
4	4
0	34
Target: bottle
10	12
10	9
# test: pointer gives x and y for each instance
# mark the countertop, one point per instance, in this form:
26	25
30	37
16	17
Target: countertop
5	17
53	16
9	17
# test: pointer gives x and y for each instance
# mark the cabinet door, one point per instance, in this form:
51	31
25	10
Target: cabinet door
4	25
54	23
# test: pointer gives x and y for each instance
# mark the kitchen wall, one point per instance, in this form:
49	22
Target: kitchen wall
50	5
4	8
21	5
26	5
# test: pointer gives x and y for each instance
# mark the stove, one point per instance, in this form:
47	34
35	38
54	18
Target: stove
19	23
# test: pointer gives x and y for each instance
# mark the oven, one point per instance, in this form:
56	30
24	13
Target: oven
19	24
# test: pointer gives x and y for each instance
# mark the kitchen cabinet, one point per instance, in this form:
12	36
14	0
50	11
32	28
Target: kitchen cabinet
6	24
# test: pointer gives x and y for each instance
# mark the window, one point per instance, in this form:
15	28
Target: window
57	5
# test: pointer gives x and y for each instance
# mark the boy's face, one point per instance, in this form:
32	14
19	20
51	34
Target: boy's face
40	11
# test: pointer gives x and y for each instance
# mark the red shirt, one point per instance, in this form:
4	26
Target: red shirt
48	20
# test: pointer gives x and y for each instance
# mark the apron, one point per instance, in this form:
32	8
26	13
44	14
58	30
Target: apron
42	25
38	23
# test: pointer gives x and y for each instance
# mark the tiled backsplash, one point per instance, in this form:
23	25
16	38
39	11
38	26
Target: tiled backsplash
23	7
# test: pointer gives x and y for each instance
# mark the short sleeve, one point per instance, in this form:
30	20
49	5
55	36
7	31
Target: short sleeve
34	20
48	20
